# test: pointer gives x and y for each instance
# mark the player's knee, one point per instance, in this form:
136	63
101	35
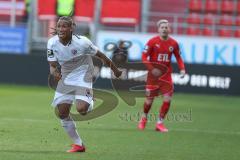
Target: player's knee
149	101
167	98
63	115
62	111
83	109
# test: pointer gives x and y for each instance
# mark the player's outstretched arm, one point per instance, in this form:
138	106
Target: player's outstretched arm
109	63
54	70
180	62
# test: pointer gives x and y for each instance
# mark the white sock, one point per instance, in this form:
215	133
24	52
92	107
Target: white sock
70	127
160	120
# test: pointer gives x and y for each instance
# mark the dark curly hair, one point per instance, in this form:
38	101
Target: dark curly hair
69	21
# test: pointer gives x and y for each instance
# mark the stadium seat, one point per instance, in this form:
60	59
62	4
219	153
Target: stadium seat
47	10
166	6
5	7
207	31
195	5
226	20
180	30
237	21
84	10
211	6
227	6
5	11
237	33
194	18
238	7
193	31
117	13
224	33
209	19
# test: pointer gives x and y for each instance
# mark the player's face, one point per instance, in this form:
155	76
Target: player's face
64	30
164	30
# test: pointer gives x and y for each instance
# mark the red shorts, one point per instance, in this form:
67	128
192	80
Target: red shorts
163	86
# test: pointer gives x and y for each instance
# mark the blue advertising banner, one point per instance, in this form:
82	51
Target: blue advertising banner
194	49
13	40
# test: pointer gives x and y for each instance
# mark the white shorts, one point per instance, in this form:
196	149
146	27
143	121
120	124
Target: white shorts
60	98
70	93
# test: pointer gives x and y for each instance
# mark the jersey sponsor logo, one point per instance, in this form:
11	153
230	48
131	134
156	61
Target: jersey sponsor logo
50	53
74	51
163	58
171	48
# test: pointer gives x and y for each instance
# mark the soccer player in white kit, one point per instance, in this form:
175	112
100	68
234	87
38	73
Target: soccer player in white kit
73	53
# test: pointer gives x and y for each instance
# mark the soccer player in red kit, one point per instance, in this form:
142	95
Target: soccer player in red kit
157	58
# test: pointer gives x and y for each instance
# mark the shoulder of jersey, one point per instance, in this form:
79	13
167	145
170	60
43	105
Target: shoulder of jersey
79	38
172	39
53	39
154	39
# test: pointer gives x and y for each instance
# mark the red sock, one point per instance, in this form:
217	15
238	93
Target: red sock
164	109
147	107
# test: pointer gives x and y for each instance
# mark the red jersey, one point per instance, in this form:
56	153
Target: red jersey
158	51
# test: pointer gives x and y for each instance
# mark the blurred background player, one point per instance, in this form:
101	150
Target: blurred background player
73	53
157	58
65	7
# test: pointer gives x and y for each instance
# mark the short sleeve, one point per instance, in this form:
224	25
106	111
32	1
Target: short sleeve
148	48
50	55
89	47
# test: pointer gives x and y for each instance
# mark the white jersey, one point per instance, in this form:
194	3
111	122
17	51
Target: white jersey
75	59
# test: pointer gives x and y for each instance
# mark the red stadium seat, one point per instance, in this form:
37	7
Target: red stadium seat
225	33
226	20
211	6
193	31
5	10
237	21
84	10
195	5
207	31
209	19
194	18
6	6
227	6
238	7
117	13
47	10
237	33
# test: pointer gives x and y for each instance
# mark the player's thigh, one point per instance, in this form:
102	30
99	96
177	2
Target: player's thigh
167	97
61	98
151	91
165	86
84	100
82	106
62	103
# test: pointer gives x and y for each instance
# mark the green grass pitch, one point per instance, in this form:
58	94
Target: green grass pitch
201	127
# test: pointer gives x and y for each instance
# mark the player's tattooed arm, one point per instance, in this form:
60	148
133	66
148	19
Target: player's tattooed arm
53	67
109	63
